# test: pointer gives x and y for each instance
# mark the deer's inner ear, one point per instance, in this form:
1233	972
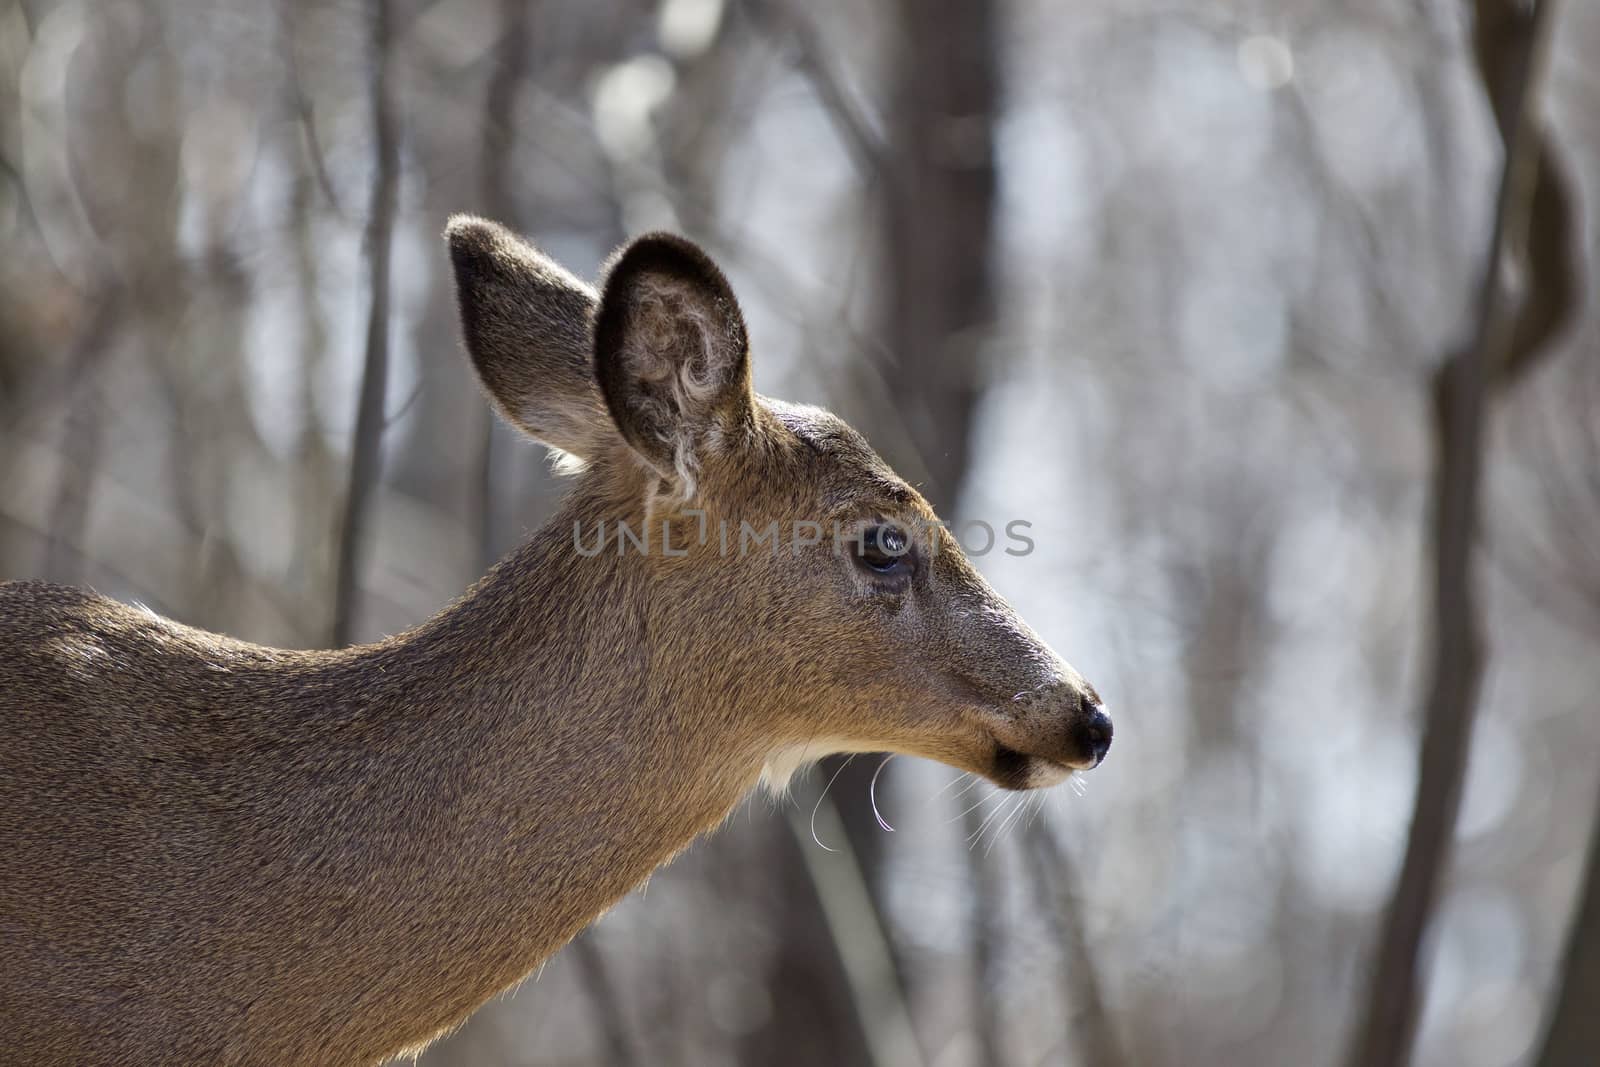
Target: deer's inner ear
671	356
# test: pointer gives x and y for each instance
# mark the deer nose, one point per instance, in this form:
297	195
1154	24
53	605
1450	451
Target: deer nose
1093	733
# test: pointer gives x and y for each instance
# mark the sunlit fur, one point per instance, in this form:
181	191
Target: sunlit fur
215	852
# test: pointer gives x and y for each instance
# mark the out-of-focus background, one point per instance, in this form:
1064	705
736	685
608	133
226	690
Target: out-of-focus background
1220	296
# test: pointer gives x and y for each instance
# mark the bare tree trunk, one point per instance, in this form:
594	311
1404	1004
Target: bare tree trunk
1089	1025
1513	44
1572	1037
494	175
817	1020
938	239
315	473
365	451
939	218
939	190
936	175
80	449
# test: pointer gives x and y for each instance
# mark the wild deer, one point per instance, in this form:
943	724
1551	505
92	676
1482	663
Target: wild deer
216	852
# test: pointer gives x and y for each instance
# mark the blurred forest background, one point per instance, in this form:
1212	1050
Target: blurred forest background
1272	317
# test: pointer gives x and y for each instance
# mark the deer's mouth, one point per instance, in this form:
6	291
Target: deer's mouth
1019	770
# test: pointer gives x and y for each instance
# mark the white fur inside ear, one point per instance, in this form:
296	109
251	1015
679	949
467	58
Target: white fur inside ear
567	464
687	464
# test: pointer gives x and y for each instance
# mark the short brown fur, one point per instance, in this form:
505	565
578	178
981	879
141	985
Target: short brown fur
215	852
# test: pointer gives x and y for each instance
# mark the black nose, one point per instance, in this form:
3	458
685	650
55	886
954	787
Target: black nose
1094	733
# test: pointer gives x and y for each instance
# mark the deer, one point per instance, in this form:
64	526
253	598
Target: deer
217	852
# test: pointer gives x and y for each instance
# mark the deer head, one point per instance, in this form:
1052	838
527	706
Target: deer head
792	567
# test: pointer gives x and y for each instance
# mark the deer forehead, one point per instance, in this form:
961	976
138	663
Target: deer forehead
842	471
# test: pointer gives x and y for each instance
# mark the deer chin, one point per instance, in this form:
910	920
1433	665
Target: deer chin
1015	770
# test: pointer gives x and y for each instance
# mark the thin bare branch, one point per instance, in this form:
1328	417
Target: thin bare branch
860	138
300	104
365	451
84	431
1460	394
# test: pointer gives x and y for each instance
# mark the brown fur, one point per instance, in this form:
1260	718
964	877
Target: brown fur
216	852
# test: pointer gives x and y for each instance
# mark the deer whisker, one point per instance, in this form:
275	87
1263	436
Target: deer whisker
946	787
964	790
1000	830
977	834
824	796
872	793
983	798
1037	808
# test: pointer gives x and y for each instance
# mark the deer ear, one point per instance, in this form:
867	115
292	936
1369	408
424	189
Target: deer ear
526	322
671	355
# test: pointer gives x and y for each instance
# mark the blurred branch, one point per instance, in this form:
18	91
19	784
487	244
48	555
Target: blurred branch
1573	1032
300	103
857	931
864	143
937	183
405	405
1089	1022
83	431
1505	43
988	895
1511	49
19	184
1550	553
824	993
595	977
940	226
316	483
133	537
938	216
365	454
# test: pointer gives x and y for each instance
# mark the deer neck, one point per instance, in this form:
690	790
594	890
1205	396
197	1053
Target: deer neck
574	753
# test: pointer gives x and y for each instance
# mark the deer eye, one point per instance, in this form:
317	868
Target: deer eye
884	550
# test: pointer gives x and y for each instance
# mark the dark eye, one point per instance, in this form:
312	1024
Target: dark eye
884	550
